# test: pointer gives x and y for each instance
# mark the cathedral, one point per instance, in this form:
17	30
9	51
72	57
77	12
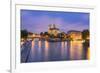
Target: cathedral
53	30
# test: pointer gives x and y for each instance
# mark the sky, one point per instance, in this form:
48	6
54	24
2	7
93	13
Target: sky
37	21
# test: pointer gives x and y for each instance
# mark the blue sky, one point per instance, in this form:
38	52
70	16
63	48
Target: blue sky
37	21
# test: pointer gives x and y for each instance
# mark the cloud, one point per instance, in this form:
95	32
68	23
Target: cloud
39	23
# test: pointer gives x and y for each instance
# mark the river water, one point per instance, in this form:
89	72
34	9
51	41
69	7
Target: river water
41	51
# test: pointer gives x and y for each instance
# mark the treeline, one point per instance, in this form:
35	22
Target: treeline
62	35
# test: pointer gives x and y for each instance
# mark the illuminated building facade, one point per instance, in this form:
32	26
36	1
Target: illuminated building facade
53	30
75	35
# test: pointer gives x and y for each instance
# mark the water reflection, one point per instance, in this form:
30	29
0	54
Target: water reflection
46	50
76	50
57	51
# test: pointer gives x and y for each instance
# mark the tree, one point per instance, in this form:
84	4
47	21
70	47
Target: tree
45	33
24	34
85	34
41	33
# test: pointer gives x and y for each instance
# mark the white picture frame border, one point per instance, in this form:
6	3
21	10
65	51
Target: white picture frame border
16	67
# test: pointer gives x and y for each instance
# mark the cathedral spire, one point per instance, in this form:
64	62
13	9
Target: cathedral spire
49	26
54	26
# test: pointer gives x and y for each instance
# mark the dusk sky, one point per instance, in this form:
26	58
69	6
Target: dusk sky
37	21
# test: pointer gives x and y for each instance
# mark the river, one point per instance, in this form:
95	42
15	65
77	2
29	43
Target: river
43	51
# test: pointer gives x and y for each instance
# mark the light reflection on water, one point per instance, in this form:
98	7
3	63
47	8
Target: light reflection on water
76	50
58	51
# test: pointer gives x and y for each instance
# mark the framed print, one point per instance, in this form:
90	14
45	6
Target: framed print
51	37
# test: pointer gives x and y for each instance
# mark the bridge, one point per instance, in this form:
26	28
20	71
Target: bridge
32	37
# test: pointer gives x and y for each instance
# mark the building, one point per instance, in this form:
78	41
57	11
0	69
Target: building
53	30
33	35
30	34
75	35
